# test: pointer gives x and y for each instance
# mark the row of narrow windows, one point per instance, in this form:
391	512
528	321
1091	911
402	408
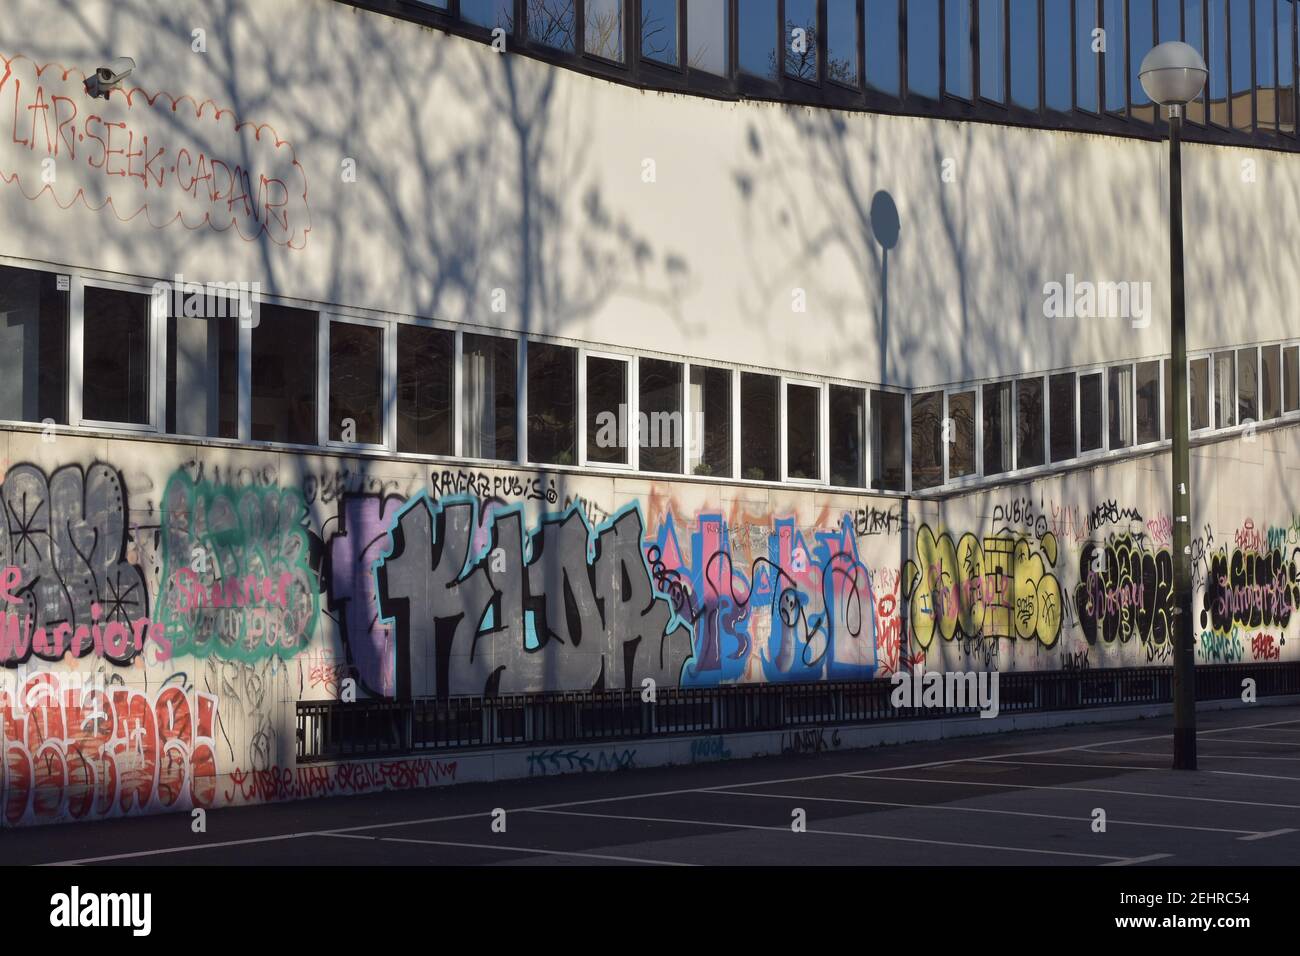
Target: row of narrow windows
1049	62
214	365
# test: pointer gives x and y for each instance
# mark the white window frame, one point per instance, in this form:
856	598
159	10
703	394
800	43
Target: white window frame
864	439
155	346
683	396
779	437
1048	412
391	356
1132	404
580	378
1010	384
784	421
1209	396
458	398
629	430
387	384
688	410
977	427
1259	382
1079	375
1295	367
1214	388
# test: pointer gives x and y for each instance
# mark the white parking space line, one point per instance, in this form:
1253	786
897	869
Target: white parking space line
947	807
835	833
1041	786
179	849
1199	755
1256	743
1125	766
520	849
1268	835
1140	859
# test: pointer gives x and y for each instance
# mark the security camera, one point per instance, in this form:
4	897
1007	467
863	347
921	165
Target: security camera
108	78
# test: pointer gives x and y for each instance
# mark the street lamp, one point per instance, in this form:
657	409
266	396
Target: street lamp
1173	74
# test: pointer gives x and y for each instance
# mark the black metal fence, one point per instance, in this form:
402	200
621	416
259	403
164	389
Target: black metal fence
329	730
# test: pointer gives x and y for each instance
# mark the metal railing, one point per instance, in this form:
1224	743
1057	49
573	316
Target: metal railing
329	730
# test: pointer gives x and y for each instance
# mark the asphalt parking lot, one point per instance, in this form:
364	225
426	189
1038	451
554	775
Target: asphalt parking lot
1025	798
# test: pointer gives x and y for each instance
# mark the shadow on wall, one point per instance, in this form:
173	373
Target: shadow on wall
467	164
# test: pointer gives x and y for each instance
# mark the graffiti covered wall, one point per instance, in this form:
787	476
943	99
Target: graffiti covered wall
166	605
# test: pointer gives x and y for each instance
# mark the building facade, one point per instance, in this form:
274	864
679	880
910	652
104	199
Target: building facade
419	349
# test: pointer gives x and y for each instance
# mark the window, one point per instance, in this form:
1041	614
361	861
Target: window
33	347
1091	435
116	382
758	30
759	430
659	31
1194	36
424	385
489	13
356	383
1225	390
888	441
800	39
550	23
1064	425
992	50
1217	60
1265	82
552	404
608	422
662	431
927	440
961	447
1285	109
957	66
202	365
1170	15
1239	56
1057	60
1141	38
803	417
1148	402
1247	385
1290	379
710	405
1085	60
489	383
706	35
997	428
923	48
882	45
848	430
602	30
1119	406
1271	381
1115	77
1024	53
842	42
1029	422
1198	392
284	375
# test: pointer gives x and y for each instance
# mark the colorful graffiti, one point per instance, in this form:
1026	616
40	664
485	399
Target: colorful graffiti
1125	591
577	609
87	752
356	544
1002	587
793	611
63	550
1251	589
237	576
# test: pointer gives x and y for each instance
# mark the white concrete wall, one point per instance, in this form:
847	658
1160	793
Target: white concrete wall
476	171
